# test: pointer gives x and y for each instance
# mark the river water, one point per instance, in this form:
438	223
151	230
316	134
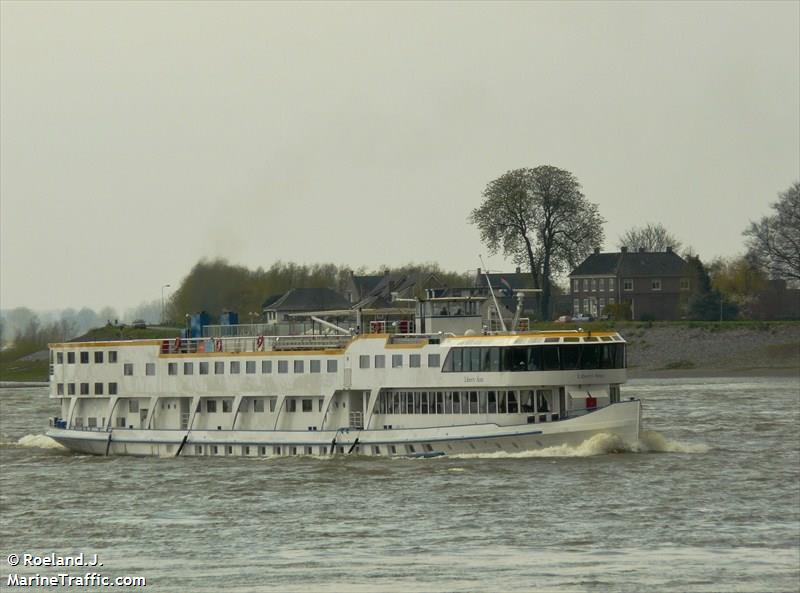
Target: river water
709	500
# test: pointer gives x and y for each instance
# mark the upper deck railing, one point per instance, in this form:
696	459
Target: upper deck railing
253	344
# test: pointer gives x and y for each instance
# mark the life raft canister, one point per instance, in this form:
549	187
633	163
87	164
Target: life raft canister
218	344
260	342
177	344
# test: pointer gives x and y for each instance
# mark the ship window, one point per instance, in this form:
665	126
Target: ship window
59	358
591	355
262	450
229	450
332	365
550	360
219	367
458	355
133	406
414	361
423	402
60	389
266	367
98	357
439	402
314	366
397	361
534	359
150	368
512	403
294	450
188	368
448	362
308	451
380	361
276	450
283	366
363	361
227	406
448	403
473	402
203	368
120	421
112	356
70	388
319	406
250	367
291	405
456	402
526	399
492	399
235	367
127	369
214	450
409	448
258	405
272	404
393	449
247	450
376	450
84	358
501	402
172	368
84	389
433	361
92	422
70	358
98	389
409	408
298	366
308	405
211	406
198	449
570	356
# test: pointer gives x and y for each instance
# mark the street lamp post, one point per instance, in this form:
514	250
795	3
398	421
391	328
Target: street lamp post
162	302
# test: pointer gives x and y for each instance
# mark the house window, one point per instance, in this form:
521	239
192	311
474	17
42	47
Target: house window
397	361
203	368
235	367
266	366
380	361
283	366
655	284
299	366
363	361
188	368
333	365
585	285
98	389
219	368
627	284
70	388
250	367
84	389
576	305
112	356
258	405
611	283
414	361
315	366
84	358
150	368
59	358
602	304
611	300
172	368
433	361
601	284
98	357
684	284
575	285
70	358
585	305
211	406
112	389
594	285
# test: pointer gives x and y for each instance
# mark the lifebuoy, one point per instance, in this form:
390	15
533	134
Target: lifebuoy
177	344
218	344
260	342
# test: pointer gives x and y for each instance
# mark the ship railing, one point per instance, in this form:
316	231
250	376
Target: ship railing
252	344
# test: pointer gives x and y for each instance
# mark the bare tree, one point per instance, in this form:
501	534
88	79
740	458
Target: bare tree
540	219
653	237
774	241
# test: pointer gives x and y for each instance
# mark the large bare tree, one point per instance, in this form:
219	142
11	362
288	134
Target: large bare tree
540	218
651	236
774	241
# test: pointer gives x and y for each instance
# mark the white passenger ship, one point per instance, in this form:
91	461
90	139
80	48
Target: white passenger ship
378	394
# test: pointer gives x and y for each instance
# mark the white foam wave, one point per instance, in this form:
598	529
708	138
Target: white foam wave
599	444
38	441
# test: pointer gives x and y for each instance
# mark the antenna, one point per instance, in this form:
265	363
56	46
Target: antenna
489	284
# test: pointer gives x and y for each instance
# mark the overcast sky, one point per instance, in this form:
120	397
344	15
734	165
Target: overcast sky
138	138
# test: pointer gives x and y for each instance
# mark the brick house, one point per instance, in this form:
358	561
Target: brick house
655	284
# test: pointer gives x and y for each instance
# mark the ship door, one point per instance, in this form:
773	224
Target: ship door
143	418
356	405
185	403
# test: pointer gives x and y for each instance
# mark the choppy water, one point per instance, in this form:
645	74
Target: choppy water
708	501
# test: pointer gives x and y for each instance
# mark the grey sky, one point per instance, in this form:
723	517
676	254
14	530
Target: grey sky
137	138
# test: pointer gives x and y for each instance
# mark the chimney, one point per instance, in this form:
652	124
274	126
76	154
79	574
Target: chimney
518	270
596	250
669	248
641	249
623	249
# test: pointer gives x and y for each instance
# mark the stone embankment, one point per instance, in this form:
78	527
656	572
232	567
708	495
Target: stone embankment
711	350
